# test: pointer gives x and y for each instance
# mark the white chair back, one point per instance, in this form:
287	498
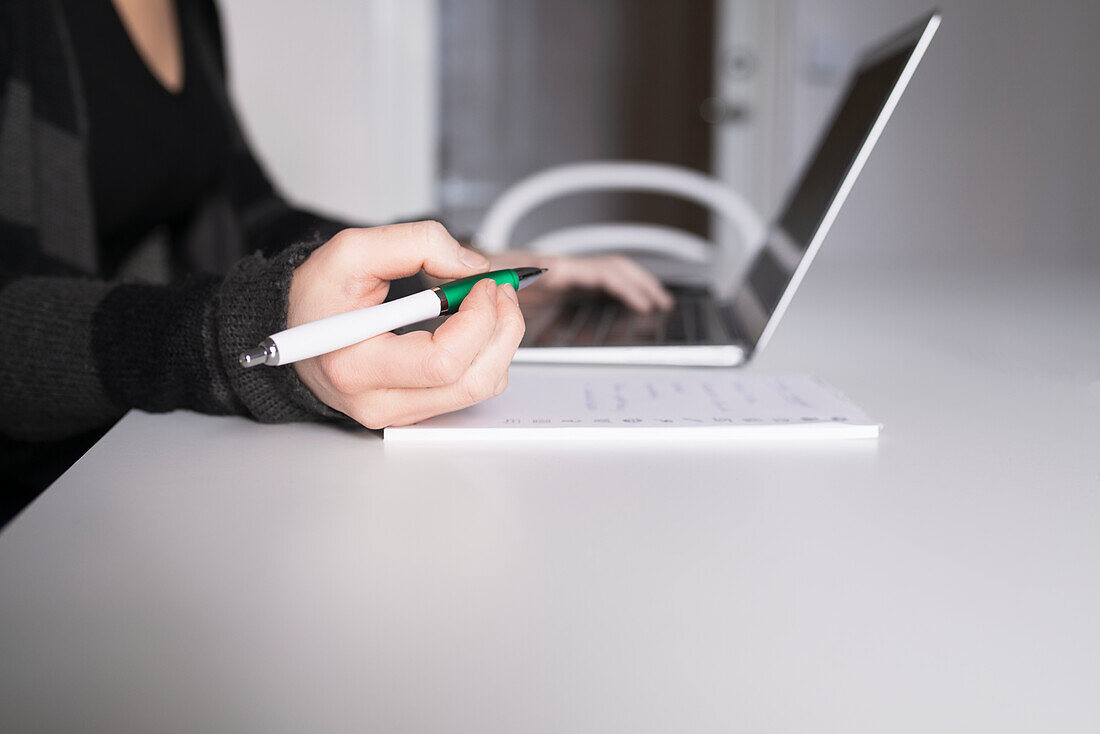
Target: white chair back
506	212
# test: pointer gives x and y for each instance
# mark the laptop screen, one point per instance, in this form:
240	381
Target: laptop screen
824	183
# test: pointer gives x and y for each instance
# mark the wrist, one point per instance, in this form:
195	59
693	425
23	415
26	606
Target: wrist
254	303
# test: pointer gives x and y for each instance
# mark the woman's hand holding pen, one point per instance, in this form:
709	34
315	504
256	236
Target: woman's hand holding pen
400	379
396	380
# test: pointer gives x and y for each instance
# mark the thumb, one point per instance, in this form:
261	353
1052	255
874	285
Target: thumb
400	250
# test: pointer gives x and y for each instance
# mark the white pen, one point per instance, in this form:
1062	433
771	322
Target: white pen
343	330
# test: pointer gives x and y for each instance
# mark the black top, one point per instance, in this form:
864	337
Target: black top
153	154
77	347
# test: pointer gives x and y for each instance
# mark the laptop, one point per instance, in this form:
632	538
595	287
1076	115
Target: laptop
706	328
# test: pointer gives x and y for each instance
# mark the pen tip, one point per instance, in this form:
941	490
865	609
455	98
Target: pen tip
527	276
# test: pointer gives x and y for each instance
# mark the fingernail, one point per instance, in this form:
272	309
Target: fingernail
472	259
511	293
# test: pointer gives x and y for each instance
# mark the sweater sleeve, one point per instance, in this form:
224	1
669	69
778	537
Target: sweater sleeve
76	353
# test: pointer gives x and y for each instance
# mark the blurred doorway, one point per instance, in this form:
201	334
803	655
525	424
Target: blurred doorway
528	84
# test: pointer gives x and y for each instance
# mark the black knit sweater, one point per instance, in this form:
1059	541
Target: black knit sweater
76	350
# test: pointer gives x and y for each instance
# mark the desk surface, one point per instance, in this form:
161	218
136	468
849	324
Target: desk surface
943	578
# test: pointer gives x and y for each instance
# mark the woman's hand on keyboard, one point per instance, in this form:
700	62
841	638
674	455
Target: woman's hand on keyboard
616	275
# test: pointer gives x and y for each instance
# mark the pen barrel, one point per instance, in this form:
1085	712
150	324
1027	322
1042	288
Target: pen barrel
343	330
457	290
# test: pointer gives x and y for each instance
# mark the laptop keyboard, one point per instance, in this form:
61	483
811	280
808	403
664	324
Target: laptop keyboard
697	318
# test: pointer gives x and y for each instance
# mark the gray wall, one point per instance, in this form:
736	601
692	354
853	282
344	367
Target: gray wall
339	99
994	149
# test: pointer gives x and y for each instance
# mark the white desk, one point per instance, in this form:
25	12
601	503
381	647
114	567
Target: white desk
945	578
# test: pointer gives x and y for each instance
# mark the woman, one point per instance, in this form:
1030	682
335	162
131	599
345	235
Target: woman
120	156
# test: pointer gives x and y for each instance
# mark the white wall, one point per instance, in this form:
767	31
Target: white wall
995	150
339	99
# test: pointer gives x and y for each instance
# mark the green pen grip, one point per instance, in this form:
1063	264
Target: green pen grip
457	290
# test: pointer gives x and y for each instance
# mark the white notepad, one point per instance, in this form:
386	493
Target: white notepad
710	404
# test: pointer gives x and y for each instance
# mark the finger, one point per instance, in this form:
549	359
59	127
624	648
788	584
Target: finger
608	274
486	377
648	284
488	374
420	359
642	283
400	250
613	281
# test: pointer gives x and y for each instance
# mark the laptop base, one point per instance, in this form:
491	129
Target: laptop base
702	355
